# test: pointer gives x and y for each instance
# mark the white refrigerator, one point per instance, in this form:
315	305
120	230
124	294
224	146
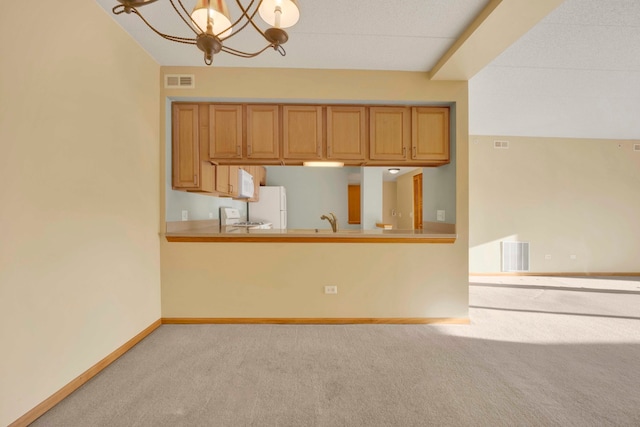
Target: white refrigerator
271	207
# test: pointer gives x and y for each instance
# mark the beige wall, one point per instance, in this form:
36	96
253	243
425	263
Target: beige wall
286	280
79	254
565	196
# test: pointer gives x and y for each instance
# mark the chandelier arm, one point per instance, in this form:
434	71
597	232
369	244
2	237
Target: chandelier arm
252	15
190	25
245	54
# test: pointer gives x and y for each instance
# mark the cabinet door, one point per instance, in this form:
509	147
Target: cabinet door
225	131
389	133
302	132
346	133
263	132
185	147
222	180
430	134
227	180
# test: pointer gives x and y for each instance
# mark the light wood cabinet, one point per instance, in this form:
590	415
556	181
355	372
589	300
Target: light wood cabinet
189	171
227	180
263	132
302	132
389	133
346	133
430	134
270	134
225	131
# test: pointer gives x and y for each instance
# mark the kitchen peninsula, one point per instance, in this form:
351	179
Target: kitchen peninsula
212	233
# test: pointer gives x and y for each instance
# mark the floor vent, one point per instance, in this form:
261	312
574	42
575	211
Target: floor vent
179	81
636	147
500	144
515	256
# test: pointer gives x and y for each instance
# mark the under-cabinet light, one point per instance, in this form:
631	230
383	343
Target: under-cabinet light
324	164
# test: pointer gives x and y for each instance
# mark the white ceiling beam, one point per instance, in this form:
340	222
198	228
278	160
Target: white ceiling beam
499	25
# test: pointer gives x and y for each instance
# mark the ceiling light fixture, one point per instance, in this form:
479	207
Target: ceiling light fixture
394	171
324	164
211	23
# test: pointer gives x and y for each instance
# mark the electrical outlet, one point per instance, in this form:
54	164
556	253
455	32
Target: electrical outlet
185	215
440	215
331	289
210	215
547	256
573	256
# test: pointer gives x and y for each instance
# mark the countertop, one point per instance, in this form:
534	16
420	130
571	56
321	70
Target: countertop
209	231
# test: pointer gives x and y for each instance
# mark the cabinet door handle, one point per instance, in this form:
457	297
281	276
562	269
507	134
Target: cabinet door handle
319	151
248	150
238	151
195	179
404	152
414	151
230	188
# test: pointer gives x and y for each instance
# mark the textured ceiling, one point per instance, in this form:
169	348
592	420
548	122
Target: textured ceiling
575	74
406	35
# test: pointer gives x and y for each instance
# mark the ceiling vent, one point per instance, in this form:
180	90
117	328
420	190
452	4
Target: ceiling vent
515	256
500	144
179	81
636	147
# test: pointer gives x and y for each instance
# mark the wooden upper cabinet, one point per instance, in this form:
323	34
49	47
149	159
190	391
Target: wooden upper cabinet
346	133
225	131
263	132
389	133
301	132
227	180
189	172
430	134
185	146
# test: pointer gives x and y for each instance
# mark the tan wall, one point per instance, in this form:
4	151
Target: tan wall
79	257
286	280
565	196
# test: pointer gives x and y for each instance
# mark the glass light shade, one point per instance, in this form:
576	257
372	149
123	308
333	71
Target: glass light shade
220	14
288	17
394	171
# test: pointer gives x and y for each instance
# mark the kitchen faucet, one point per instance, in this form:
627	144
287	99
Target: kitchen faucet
332	220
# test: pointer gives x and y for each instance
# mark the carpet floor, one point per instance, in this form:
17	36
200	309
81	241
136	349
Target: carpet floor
540	351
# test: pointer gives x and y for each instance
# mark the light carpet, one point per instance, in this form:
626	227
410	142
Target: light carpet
539	352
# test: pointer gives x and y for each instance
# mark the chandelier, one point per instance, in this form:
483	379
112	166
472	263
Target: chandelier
211	23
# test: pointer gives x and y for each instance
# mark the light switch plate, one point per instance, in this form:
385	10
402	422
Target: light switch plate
440	215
